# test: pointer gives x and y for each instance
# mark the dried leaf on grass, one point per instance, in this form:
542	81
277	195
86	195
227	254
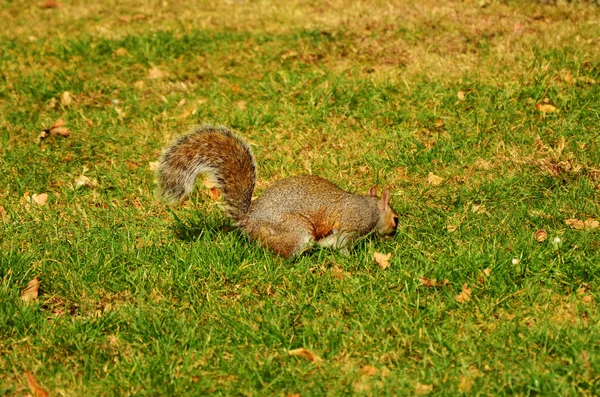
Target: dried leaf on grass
31	292
383	260
546	107
427	282
120	52
36	390
3	213
83	180
578	224
465	294
461	95
40	199
305	353
65	99
421	389
434	180
155	73
58	128
540	235
451	228
49	4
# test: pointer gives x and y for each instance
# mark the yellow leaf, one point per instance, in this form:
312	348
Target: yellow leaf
120	52
465	294
36	391
65	99
31	292
382	259
434	180
461	95
545	107
155	73
540	235
421	389
305	353
40	199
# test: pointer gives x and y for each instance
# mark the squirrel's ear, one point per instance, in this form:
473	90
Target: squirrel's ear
385	200
373	191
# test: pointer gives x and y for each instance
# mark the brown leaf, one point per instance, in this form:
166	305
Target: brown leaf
487	272
421	389
383	260
369	370
587	298
540	235
451	228
3	213
36	391
40	199
578	224
214	193
305	353
568	77
466	383
439	123
62	131
465	294
545	107
49	4
434	180
65	99
461	95
241	105
31	292
57	124
433	282
120	52
155	73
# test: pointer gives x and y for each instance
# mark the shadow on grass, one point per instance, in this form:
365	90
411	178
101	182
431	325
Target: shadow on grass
195	226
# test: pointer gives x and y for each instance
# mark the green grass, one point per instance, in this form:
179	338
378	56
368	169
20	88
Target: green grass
137	298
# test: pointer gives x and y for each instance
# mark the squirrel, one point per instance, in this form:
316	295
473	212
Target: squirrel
292	214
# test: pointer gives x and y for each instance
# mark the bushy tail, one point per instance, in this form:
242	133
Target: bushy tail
216	152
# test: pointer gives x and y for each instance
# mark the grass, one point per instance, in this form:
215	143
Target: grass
139	299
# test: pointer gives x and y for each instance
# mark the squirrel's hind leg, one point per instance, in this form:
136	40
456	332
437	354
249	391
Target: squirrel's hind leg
284	240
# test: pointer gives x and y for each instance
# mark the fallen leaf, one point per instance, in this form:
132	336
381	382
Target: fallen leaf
579	224
369	370
83	180
153	165
120	52
439	123
65	99
466	383
241	105
587	298
49	4
155	73
62	131
427	282
487	272
3	213
305	353
36	391
568	77
31	292
434	180
214	193
40	199
478	208
545	107
124	19
382	259
540	235
421	389
465	294
57	124
451	228
461	95
584	356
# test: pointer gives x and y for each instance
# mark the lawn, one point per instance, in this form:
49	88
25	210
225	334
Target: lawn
482	117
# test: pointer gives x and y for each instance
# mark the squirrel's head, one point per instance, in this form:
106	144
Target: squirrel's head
388	220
